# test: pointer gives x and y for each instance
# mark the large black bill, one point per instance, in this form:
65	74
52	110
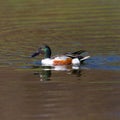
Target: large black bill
35	54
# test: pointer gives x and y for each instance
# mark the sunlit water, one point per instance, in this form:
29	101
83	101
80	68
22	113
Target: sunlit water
29	91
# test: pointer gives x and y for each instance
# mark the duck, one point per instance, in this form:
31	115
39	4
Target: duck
69	58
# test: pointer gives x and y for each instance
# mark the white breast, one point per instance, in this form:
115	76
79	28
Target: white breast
47	62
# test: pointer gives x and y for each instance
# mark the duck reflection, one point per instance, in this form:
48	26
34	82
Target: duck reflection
45	72
45	75
76	72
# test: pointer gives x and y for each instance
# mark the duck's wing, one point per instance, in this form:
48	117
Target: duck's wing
80	53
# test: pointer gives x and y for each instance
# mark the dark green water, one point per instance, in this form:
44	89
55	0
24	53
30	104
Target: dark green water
90	93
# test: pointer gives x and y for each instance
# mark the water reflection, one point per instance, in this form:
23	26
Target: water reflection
45	72
44	75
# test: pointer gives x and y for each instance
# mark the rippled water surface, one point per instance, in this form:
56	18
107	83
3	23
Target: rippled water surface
31	92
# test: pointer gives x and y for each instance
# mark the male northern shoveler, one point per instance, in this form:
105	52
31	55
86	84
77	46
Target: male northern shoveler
75	58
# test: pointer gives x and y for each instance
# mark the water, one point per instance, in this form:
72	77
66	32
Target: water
87	94
31	92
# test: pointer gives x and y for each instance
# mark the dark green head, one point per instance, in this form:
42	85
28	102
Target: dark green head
45	50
